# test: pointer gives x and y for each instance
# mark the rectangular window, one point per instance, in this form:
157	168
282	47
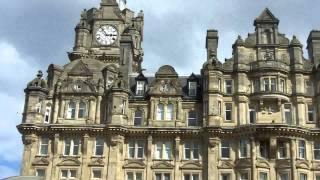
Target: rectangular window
136	149
192	118
192	88
160	112
256	85
67	174
96	174
137	118
47	114
284	176
163	150
263	176
281	85
140	88
219	107
219	84
228	86
44	146
169	114
243	148
134	176
302	149
303	176
264	149
287	114
225	149
311	113
191	150
40	172
316	150
317	177
308	87
124	106
244	176
205	108
282	150
273	84
99	147
228	113
191	176
71	147
225	176
252	115
266	84
162	176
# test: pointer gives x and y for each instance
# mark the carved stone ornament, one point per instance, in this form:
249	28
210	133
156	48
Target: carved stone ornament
162	165
226	165
97	161
165	86
213	142
134	164
191	166
269	55
40	161
69	161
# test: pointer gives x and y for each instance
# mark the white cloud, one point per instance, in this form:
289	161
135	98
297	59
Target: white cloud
15	71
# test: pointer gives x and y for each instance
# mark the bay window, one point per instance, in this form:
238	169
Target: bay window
160	112
71	114
169	115
82	110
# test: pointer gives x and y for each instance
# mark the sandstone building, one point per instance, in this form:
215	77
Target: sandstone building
255	116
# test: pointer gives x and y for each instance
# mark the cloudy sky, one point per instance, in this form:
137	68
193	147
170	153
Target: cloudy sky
35	33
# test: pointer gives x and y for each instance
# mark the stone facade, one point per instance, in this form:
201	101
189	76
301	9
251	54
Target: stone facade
255	116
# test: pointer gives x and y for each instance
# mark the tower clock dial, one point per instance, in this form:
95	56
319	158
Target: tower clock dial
106	35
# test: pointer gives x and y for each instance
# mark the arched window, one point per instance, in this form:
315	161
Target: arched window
82	110
160	112
192	118
137	118
47	114
71	110
169	115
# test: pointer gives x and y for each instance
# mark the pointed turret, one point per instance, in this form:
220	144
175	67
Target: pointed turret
266	27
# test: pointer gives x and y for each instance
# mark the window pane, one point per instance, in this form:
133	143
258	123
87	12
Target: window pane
158	176
302	149
310	113
187	177
140	145
228	107
73	173
130	176
138	118
44	146
282	149
195	177
131	149
140	88
160	112
167	154
243	148
273	84
40	172
263	176
169	112
71	110
64	173
82	110
225	176
284	176
67	145
228	84
316	150
252	114
192	118
303	176
225	149
138	176
244	176
99	146
166	176
76	143
192	88
187	151
159	150
96	174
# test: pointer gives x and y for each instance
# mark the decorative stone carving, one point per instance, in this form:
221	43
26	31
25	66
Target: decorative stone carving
134	165
80	69
40	161
69	161
97	161
226	165
191	166
162	165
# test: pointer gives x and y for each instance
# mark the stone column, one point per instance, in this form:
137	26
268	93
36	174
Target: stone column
273	156
62	107
179	112
98	110
177	156
29	142
115	154
149	158
152	114
55	110
301	113
92	111
55	156
85	171
293	157
242	110
253	158
213	149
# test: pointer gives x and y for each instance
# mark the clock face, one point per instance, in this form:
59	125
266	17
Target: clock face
106	35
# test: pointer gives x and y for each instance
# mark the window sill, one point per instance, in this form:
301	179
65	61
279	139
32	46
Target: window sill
225	159
70	156
97	156
310	122
42	156
162	159
135	159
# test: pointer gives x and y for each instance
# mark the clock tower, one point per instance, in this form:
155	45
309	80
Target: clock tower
110	35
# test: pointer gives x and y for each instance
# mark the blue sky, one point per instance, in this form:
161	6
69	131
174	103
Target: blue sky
35	33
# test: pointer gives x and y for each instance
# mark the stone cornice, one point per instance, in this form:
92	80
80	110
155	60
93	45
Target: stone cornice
258	130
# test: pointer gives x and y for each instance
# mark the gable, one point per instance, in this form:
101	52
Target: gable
134	165
162	165
80	69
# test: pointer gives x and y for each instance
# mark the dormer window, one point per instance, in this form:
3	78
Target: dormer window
192	88
140	88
